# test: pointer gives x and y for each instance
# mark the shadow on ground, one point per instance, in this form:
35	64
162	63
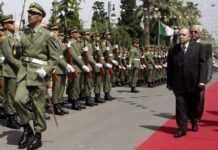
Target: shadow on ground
165	129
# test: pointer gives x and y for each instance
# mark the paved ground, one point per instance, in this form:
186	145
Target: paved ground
121	124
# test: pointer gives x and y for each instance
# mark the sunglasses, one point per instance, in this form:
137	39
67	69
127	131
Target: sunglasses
194	31
32	13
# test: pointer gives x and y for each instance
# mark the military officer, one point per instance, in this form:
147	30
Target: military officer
39	58
10	47
134	64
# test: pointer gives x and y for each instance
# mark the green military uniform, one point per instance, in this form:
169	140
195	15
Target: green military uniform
74	88
39	57
58	74
10	47
10	68
99	71
87	77
2	58
134	62
108	72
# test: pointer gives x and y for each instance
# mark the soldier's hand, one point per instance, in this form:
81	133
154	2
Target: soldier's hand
70	68
41	72
115	62
129	66
99	65
108	65
85	68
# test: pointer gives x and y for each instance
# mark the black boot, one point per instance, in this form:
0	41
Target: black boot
108	97
58	110
76	105
98	99
36	142
90	101
26	136
133	90
12	122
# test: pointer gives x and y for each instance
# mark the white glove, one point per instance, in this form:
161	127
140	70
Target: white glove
41	72
70	68
99	65
115	62
49	92
129	66
85	68
108	65
68	44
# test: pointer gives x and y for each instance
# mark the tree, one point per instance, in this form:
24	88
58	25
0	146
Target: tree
66	14
128	18
99	18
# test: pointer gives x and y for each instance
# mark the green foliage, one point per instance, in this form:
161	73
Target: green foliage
99	18
128	18
66	14
118	35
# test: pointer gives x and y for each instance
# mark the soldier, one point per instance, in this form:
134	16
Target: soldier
58	74
99	71
2	111
10	47
39	58
86	77
74	57
134	64
107	53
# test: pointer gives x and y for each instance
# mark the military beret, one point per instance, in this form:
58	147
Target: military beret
6	18
37	8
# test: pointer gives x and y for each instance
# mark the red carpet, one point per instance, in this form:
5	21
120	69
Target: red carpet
205	139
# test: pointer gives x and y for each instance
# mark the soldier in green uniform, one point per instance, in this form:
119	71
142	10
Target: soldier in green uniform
98	70
134	64
2	111
87	77
10	47
39	58
74	57
108	72
59	74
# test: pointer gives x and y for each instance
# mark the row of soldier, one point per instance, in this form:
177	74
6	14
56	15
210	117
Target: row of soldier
36	66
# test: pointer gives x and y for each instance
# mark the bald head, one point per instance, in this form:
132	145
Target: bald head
184	35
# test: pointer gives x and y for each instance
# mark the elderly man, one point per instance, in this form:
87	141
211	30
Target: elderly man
186	77
196	31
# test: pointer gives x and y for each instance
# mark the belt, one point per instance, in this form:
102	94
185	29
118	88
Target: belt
35	60
136	59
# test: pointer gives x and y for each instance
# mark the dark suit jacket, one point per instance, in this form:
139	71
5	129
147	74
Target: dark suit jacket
208	50
186	70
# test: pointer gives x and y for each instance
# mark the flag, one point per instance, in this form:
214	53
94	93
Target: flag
165	30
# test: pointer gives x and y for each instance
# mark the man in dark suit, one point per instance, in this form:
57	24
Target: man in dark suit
207	49
186	77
